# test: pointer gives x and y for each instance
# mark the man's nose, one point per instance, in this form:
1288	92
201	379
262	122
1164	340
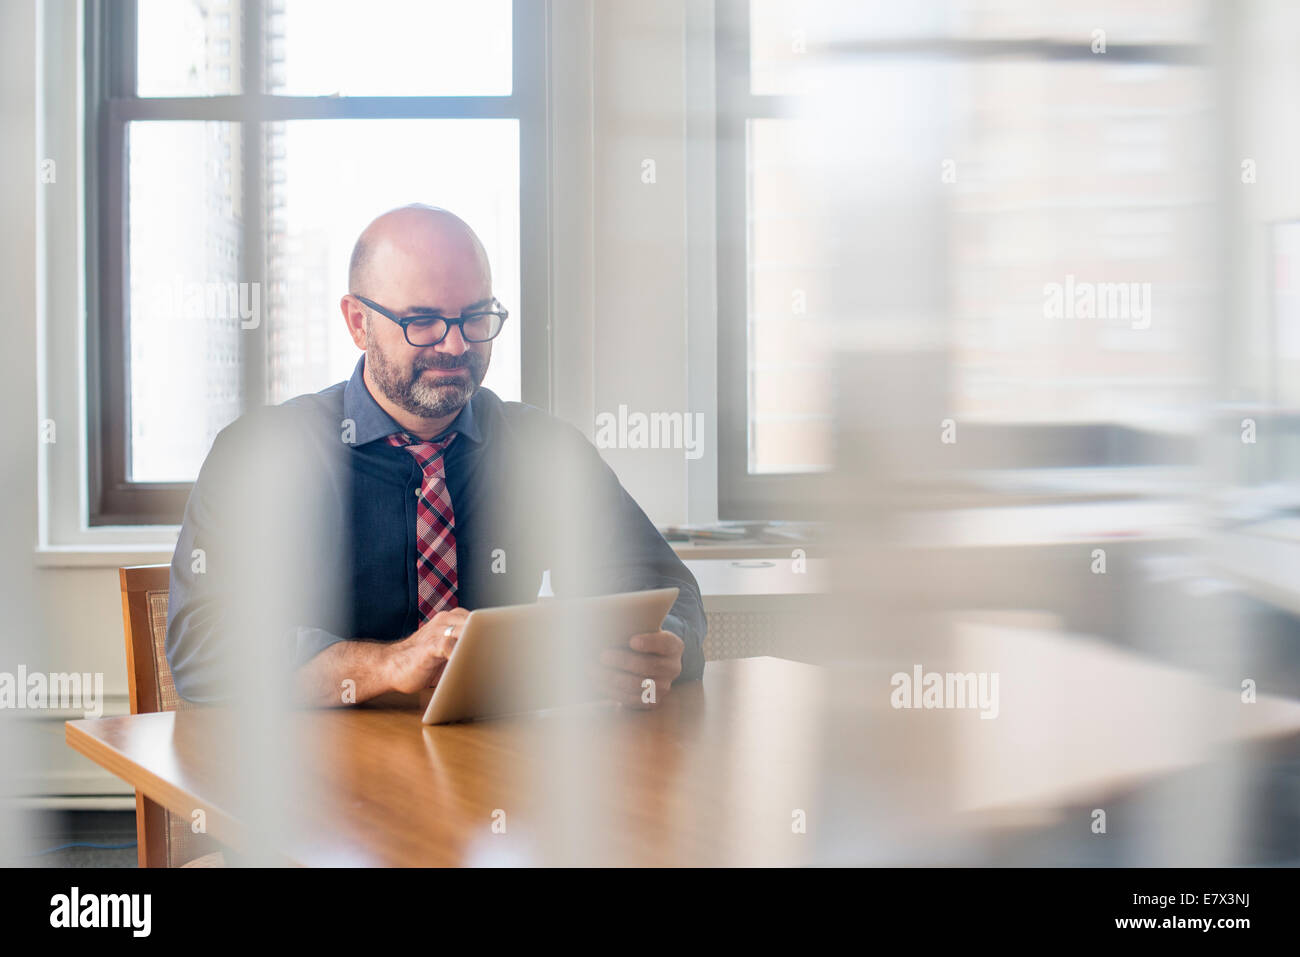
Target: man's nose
454	343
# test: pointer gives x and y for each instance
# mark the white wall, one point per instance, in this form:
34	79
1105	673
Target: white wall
624	338
640	235
54	618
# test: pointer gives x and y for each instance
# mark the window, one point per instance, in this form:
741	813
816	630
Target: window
990	153
235	154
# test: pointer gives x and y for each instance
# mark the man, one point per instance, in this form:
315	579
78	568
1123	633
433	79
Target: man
346	535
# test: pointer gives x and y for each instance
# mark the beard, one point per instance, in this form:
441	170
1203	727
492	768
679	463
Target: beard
427	396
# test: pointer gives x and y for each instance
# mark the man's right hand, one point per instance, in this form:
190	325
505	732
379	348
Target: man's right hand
417	662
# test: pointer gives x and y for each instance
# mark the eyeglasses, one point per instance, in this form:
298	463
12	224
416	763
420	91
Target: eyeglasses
423	329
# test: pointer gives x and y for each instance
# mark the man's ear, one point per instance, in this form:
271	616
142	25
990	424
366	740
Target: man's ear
355	317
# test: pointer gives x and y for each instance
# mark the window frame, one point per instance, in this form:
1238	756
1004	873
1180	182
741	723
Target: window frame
112	104
742	495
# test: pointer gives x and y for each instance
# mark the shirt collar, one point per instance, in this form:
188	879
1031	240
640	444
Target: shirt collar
371	422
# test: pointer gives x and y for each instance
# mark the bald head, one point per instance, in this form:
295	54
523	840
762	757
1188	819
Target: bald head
412	264
416	237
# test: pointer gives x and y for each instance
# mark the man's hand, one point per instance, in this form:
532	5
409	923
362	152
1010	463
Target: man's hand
417	662
641	674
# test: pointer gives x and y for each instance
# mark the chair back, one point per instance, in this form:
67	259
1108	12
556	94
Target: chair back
164	839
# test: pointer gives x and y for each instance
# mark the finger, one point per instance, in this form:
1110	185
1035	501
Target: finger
623	699
611	684
445	625
630	689
452	616
659	667
621	682
658	643
623	687
600	680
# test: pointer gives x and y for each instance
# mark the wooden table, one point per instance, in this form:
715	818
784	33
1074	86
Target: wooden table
764	762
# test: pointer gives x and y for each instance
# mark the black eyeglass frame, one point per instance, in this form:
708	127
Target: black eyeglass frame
406	321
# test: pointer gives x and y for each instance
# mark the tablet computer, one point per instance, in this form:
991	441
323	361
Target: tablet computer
519	658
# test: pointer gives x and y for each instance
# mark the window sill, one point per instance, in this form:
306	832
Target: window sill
742	550
83	556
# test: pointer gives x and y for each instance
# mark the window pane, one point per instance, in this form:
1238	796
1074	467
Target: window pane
188	47
185	208
390	48
188	305
789	321
1079	206
1059	229
470	167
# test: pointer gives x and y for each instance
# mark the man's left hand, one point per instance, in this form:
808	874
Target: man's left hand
640	675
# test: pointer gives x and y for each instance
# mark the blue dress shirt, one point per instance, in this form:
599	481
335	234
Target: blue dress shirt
301	527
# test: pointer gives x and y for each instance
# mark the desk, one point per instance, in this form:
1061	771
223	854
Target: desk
719	775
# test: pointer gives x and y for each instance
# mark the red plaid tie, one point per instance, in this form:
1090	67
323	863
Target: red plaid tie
435	547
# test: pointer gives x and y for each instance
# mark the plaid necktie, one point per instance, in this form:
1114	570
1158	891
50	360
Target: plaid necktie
435	546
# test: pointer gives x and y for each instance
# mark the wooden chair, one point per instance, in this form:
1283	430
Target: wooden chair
164	839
